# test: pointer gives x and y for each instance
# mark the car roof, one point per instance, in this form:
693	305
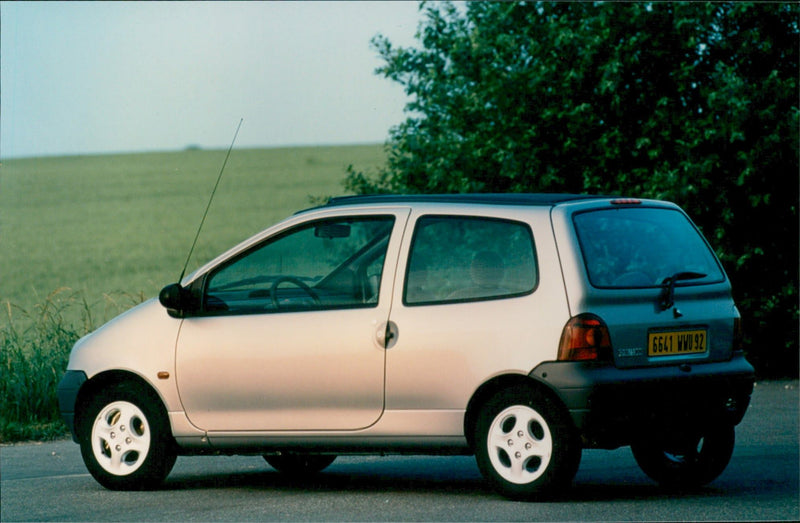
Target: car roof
532	199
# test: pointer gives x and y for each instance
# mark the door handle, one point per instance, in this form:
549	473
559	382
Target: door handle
387	334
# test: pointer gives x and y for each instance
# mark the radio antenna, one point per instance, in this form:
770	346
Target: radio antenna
191	251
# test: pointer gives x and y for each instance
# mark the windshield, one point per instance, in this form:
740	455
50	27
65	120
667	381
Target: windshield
643	247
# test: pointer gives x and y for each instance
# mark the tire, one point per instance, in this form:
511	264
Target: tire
693	463
300	465
526	445
125	439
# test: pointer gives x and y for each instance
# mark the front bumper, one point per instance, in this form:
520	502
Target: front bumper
67	393
612	407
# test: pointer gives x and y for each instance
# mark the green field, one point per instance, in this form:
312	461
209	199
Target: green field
113	229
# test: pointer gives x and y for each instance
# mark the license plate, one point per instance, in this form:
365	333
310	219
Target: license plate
676	342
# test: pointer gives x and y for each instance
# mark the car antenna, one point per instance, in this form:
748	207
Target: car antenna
213	192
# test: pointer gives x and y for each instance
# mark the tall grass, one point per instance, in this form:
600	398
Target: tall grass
34	351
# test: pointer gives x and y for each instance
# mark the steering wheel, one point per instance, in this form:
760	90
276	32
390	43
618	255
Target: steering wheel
291	279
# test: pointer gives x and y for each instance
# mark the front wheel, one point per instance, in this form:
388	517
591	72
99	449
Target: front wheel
125	440
692	462
525	444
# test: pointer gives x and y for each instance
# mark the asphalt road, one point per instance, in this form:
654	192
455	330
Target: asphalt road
48	482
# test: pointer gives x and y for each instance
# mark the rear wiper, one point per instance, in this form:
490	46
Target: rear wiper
668	294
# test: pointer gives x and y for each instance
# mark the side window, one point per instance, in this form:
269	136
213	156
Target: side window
327	264
461	258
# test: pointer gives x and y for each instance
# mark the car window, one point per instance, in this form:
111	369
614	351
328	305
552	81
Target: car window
457	258
332	263
641	247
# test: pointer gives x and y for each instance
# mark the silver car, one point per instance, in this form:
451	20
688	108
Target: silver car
520	328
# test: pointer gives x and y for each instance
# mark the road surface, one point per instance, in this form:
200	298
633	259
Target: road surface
48	482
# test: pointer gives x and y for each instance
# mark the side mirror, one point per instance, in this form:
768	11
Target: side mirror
174	297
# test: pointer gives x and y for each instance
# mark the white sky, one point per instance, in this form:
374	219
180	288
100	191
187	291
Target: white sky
83	78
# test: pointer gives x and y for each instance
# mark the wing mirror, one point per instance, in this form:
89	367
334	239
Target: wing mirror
175	298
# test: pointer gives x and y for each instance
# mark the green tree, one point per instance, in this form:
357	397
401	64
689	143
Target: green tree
695	103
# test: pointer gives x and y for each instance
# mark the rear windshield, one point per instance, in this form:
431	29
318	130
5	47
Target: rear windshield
641	247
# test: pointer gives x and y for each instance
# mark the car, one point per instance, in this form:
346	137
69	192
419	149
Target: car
518	328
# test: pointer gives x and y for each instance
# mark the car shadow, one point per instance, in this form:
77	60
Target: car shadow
404	478
329	481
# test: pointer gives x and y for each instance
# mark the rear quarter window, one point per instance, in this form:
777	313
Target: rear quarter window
641	247
462	258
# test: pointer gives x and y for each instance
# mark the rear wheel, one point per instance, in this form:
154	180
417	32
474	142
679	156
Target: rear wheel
525	444
125	439
692	462
300	465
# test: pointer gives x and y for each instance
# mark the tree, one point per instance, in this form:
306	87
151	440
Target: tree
690	102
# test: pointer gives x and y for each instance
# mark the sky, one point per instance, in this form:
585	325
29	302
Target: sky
87	78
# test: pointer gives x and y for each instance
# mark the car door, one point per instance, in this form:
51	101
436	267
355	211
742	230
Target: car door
289	335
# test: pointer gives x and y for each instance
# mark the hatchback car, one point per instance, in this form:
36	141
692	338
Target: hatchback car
521	328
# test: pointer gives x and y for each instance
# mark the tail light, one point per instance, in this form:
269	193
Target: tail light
585	338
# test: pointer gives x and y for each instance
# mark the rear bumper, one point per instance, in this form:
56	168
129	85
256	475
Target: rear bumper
67	393
611	407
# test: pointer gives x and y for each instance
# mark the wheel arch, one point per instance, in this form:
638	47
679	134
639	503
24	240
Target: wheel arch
493	386
113	378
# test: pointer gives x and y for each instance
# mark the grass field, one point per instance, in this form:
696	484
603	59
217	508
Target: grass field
115	228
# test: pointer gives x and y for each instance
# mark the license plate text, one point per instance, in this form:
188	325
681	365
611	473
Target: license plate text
679	342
